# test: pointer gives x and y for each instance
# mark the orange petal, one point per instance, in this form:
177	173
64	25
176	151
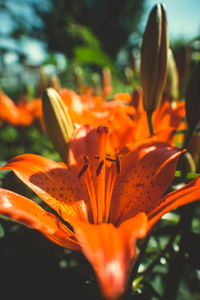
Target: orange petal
169	116
51	181
146	173
187	194
84	141
8	110
11	113
32	215
111	251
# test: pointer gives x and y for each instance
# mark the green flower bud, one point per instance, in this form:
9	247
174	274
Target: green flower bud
186	163
172	82
57	121
154	58
55	83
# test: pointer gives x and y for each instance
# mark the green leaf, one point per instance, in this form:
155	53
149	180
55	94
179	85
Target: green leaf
190	175
83	32
87	55
2	233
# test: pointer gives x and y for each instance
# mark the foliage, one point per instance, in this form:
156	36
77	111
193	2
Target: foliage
97	16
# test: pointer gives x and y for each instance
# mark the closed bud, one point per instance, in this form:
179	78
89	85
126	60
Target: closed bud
192	98
194	149
186	163
57	121
154	58
55	83
172	82
182	58
106	82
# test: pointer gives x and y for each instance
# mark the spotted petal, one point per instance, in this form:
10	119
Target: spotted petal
53	182
30	214
187	194
146	173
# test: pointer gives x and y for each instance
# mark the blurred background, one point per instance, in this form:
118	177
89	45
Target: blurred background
78	38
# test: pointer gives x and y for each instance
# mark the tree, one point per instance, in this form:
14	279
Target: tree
112	21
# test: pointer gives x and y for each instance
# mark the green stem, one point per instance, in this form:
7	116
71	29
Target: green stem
135	269
150	122
161	254
188	136
139	259
177	261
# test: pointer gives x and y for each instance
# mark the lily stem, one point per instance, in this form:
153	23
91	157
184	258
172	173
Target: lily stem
188	136
177	261
150	122
161	254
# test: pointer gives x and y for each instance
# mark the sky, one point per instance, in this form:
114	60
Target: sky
183	17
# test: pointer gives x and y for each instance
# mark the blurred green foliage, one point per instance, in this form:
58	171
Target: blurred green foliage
110	21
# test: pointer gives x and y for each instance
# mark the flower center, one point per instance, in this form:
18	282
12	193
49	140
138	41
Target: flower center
100	198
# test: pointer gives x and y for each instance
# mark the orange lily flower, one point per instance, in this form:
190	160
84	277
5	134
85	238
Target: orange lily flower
167	119
20	114
94	110
110	202
126	119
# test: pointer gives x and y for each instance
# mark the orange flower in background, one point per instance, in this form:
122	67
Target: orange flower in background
168	118
22	113
94	110
125	116
126	119
110	202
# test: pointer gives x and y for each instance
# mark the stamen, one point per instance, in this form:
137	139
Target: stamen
110	159
85	167
90	187
118	166
102	132
110	186
99	167
102	129
82	171
107	157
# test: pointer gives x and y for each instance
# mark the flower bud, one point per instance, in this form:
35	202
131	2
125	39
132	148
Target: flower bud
57	121
186	163
182	58
172	82
106	82
192	98
55	83
194	149
154	58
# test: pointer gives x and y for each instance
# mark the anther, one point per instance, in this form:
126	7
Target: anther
86	160
85	167
99	167
110	159
107	157
118	167
102	129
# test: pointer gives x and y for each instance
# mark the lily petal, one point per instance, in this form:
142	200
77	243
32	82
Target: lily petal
166	116
111	251
51	181
187	194
84	141
146	173
25	211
